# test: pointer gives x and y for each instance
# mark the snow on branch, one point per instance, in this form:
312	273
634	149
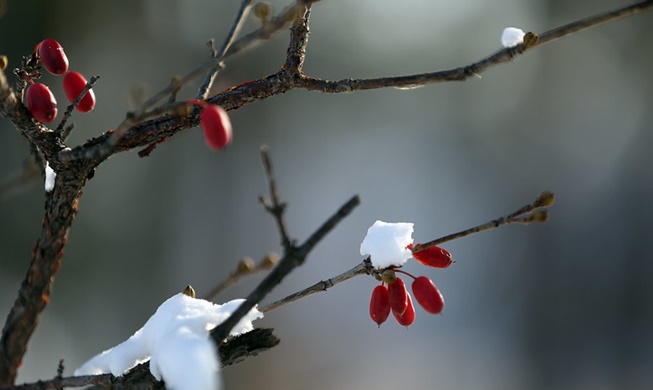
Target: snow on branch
176	342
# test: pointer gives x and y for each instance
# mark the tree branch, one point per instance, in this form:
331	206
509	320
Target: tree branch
544	200
365	267
294	257
34	294
471	70
245	6
170	122
144	127
231	351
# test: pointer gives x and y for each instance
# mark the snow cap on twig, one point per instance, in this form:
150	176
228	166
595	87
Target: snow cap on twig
386	243
512	37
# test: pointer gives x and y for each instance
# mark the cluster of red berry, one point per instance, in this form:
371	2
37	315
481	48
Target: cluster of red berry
392	294
40	100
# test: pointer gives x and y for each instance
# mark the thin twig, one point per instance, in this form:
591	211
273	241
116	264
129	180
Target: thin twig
474	69
269	29
544	200
294	258
274	207
246	266
592	21
71	107
361	269
237	25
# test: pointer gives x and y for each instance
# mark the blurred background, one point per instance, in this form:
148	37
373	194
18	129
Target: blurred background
566	305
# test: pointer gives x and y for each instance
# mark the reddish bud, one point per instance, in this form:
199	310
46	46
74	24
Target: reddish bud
216	126
433	256
379	305
73	85
427	295
53	57
398	296
41	103
408	317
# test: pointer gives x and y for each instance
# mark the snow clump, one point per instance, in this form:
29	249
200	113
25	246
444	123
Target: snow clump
512	37
386	243
177	343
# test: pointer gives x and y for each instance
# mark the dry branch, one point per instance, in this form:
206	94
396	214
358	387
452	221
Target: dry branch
146	126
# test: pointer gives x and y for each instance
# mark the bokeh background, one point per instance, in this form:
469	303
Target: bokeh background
565	305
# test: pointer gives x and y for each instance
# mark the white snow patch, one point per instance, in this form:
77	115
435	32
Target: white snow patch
177	343
386	243
512	37
50	175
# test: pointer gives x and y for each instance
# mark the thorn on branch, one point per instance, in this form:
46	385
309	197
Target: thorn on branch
150	148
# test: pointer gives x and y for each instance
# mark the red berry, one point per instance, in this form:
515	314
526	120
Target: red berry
398	297
216	126
433	256
379	305
53	57
73	85
408	317
427	295
41	102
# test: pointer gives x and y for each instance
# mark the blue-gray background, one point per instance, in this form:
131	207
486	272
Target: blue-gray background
564	305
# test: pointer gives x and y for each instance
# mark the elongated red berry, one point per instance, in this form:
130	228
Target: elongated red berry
408	317
73	85
398	296
433	256
427	295
216	126
41	103
379	305
53	57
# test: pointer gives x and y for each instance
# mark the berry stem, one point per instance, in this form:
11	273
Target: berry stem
406	273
